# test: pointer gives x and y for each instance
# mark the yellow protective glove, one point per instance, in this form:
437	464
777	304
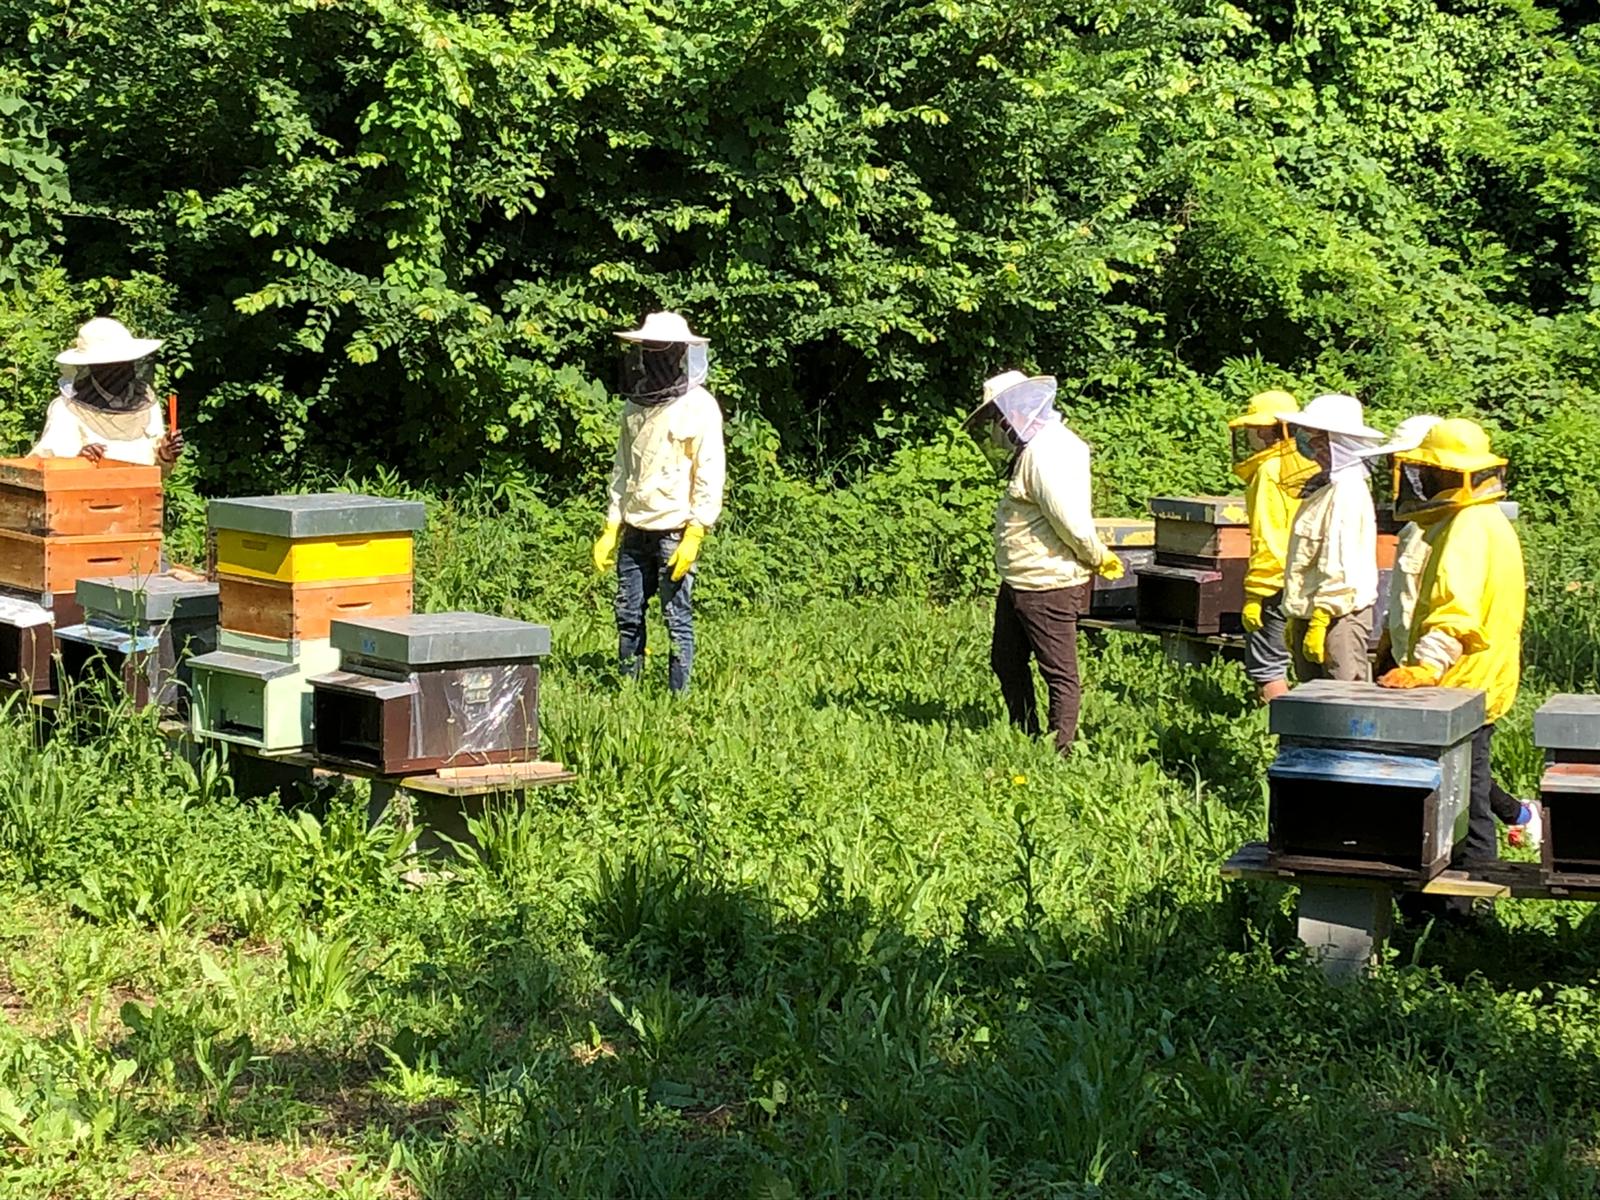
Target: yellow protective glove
688	550
1110	567
1250	615
1420	675
1315	645
605	546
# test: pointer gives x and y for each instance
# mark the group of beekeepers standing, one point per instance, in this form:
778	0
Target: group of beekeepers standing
1455	606
1457	592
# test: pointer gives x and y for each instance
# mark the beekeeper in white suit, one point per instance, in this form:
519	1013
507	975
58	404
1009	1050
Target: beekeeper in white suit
1330	582
1046	548
107	407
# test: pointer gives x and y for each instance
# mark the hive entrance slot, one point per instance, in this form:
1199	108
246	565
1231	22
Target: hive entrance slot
1336	819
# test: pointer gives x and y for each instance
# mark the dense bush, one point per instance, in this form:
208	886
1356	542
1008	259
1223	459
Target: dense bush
400	231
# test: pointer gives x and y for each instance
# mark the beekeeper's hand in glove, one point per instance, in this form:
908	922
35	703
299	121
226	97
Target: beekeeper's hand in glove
688	550
1110	567
605	546
1250	615
1315	645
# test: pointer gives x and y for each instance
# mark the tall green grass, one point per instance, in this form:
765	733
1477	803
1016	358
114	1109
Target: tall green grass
825	927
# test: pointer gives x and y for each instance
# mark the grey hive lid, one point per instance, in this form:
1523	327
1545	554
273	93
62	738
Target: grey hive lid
1568	723
1204	510
1364	712
322	514
147	598
437	639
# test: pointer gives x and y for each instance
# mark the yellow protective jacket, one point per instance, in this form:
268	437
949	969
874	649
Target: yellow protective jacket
1474	590
1270	506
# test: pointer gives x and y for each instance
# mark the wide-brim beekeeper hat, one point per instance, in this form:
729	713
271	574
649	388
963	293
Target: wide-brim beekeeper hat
104	340
1455	445
1025	403
1266	409
666	327
1337	414
1407	435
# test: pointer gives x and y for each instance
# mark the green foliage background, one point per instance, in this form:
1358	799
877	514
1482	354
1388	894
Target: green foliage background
399	233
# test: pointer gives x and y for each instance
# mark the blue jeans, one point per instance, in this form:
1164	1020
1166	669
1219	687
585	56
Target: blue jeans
642	572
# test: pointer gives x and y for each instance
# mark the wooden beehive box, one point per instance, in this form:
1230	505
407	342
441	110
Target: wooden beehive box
73	497
139	634
325	538
297	611
1196	536
1567	729
27	644
257	702
46	569
1182	599
1370	781
429	691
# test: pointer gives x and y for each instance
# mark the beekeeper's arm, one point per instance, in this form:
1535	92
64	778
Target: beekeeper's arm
1272	511
1452	622
708	470
1060	487
62	436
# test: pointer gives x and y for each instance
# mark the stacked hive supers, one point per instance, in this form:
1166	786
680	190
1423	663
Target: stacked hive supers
1567	729
1196	584
62	520
1369	780
430	691
286	568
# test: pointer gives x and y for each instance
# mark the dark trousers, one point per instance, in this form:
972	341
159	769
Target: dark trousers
1489	801
1042	625
642	572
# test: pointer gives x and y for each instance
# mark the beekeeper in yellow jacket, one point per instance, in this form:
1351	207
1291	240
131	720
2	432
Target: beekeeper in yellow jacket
1264	457
1046	548
107	407
1330	581
666	487
1466	630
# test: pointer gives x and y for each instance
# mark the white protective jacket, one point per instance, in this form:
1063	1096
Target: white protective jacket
1044	535
670	466
1333	550
130	437
1405	583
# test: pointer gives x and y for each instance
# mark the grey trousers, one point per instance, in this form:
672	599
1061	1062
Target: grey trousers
1349	654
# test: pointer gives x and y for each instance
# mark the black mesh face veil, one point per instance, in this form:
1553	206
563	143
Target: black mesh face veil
656	372
114	387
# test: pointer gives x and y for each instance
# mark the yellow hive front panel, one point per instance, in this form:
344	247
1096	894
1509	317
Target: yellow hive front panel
312	560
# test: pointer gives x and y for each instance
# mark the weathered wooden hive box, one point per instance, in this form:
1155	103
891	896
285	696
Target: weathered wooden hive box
1202	553
66	519
287	567
27	645
1368	780
1567	729
433	690
140	633
1133	541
